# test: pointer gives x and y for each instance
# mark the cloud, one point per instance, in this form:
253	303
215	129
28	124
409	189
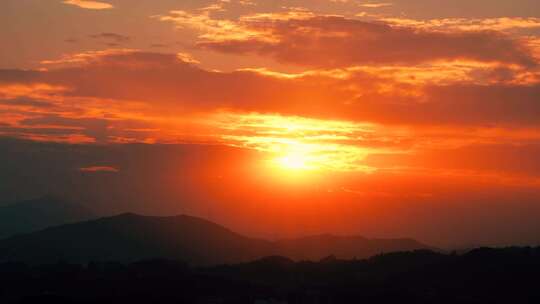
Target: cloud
468	24
93	5
343	115
84	57
97	169
95	128
302	38
375	5
111	37
480	105
26	102
170	83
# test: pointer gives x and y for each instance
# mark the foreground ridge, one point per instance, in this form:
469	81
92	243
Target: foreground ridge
420	276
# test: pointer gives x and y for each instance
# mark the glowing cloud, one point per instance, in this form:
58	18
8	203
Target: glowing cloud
94	5
297	143
468	24
331	41
375	5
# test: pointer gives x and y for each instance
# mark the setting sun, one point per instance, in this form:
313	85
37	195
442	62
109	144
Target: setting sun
293	161
298	143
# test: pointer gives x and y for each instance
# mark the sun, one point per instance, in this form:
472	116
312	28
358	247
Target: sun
293	166
297	145
293	161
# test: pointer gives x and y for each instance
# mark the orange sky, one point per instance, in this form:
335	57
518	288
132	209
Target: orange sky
358	112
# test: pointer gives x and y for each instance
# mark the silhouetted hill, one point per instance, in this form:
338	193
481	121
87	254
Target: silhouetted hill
131	237
33	215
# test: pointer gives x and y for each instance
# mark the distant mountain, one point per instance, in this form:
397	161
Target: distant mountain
130	237
33	215
316	247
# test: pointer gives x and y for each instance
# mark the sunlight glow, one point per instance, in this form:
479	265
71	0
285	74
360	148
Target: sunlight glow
300	144
292	161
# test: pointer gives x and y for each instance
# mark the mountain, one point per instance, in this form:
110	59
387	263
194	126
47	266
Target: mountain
344	247
130	237
33	215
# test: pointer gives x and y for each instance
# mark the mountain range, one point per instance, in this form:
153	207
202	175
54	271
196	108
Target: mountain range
130	237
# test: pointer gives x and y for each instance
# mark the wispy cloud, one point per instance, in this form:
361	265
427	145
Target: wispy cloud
95	5
375	5
468	24
95	169
118	38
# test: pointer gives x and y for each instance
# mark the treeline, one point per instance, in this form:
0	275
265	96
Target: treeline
485	275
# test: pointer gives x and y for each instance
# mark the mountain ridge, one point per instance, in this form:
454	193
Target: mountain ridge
130	237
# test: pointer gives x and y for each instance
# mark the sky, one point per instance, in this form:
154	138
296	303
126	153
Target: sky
280	118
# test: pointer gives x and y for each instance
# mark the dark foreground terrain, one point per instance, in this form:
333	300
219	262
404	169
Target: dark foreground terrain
480	276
